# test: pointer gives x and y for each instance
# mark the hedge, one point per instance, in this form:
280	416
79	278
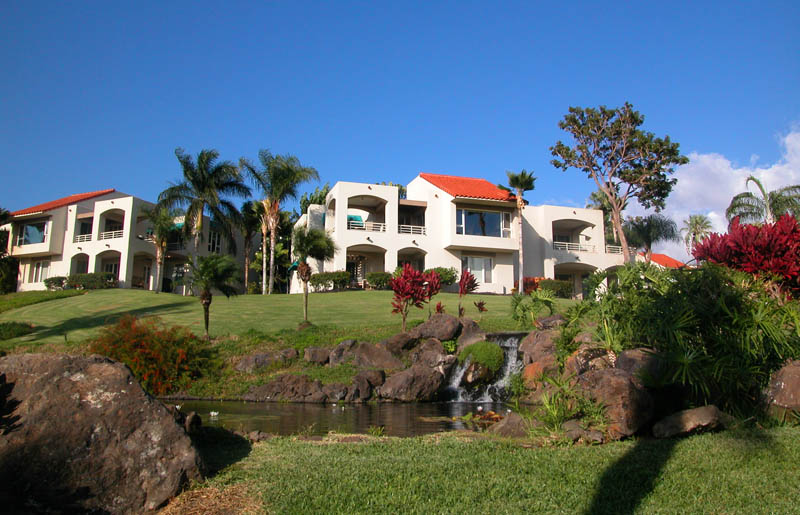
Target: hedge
561	289
379	280
330	280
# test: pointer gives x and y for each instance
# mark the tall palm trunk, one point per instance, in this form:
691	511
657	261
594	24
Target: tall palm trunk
205	300
520	206
274	217
263	259
305	301
159	268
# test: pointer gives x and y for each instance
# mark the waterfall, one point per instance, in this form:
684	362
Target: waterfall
497	391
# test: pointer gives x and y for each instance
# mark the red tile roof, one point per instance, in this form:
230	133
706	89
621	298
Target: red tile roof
66	201
664	260
468	187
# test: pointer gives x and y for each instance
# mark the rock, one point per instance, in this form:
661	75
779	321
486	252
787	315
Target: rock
512	426
783	392
288	387
593	436
363	385
690	420
335	391
644	364
259	436
440	326
537	345
628	406
586	358
550	322
316	355
82	436
398	343
368	355
476	373
418	383
470	333
193	423
532	373
341	352
573	430
432	354
253	362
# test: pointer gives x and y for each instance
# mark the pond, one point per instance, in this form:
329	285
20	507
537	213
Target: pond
397	419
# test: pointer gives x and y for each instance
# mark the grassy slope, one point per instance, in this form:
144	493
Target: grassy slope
730	472
65	324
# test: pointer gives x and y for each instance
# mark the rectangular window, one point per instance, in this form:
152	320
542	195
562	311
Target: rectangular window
39	271
111	268
480	267
214	242
562	238
86	228
30	234
483	223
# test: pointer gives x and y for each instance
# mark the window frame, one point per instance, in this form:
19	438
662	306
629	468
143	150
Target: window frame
504	228
482	278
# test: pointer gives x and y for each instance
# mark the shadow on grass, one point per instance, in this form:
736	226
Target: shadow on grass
219	448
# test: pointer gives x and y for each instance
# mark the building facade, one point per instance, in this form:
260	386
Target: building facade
102	231
458	222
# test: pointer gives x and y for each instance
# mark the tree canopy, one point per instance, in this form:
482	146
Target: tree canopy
624	161
767	207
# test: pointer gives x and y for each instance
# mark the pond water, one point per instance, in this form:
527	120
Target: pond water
412	419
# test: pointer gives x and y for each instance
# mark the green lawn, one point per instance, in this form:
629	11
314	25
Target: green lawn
65	324
741	471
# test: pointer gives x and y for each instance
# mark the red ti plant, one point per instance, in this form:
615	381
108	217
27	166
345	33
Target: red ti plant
467	284
413	288
481	305
439	307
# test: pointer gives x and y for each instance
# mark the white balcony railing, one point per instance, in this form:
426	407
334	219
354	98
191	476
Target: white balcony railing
366	226
613	249
411	229
572	247
176	245
110	235
79	238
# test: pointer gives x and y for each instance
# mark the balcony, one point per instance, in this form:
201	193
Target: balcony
358	225
110	235
80	238
613	249
411	229
176	245
573	247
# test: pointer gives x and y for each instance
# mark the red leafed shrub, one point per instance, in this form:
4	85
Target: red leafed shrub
440	308
772	249
530	284
164	359
413	288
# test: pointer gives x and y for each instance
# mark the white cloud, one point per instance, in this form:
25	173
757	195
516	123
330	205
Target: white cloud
707	184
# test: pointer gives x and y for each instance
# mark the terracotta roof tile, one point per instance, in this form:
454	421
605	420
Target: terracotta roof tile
468	187
66	201
664	260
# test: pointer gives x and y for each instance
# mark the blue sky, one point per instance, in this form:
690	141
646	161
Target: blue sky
99	94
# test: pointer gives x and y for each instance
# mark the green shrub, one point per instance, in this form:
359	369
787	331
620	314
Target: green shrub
10	330
164	359
92	281
379	280
9	271
561	289
487	354
525	308
56	283
447	276
330	280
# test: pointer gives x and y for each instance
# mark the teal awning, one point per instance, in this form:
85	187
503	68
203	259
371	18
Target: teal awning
293	266
354	218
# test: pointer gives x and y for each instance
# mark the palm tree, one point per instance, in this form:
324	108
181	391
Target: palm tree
310	243
520	182
696	227
218	272
204	181
644	232
163	226
252	214
278	180
5	217
767	208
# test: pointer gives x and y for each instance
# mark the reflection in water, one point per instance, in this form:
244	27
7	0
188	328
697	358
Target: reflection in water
412	419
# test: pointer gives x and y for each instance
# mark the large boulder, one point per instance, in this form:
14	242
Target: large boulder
364	384
512	426
537	345
418	383
643	363
432	354
288	387
341	352
317	355
628	405
783	392
586	357
550	322
691	420
258	360
81	435
399	342
470	333
440	326
365	355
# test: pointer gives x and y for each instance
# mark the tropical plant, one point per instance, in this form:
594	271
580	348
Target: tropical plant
162	227
765	208
695	229
484	353
466	285
278	179
772	250
520	183
316	197
412	288
214	272
205	182
310	243
447	275
645	231
525	308
252	214
623	160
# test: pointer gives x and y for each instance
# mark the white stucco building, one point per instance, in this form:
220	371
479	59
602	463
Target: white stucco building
457	222
101	231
